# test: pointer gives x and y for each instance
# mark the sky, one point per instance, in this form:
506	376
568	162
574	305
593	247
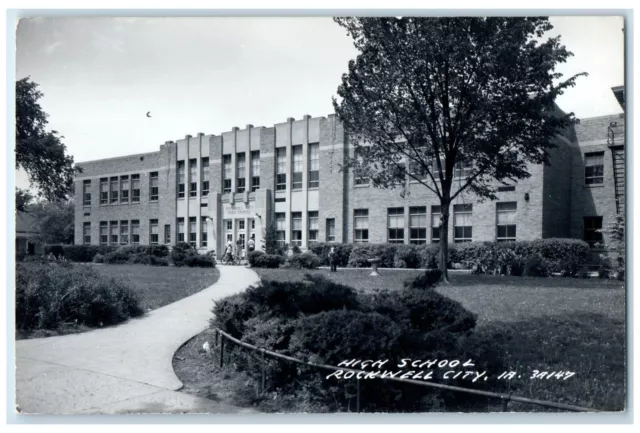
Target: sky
100	76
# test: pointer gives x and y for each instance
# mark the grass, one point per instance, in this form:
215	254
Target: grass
158	286
544	324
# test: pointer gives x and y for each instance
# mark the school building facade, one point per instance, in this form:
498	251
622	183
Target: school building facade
211	189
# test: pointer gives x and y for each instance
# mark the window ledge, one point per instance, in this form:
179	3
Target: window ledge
594	185
296	189
361	186
153	201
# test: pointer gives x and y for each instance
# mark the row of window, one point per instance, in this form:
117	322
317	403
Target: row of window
120	189
506	215
297	167
128	232
195	173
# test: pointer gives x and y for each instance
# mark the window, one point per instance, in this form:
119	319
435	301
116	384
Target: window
180	230
436	215
104	190
167	234
124	232
181	179
417	170
418	225
113	231
281	169
124	189
86	233
255	170
241	171
135	188
395	224
135	232
228	224
331	229
280	200
153	232
360	177
104	233
86	193
204	163
361	225
463	169
281	227
241	225
506	214
591	234
462	229
296	167
593	168
228	172
314	165
192	231
193	178
203	232
296	228
114	190
506	188
313	226
153	186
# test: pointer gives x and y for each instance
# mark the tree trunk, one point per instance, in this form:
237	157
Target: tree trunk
444	241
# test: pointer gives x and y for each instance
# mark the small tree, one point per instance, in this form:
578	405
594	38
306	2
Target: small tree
270	239
453	103
616	232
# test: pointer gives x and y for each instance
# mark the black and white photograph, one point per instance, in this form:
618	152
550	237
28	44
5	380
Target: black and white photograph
364	214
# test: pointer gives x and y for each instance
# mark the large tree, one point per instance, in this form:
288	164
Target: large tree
452	103
40	153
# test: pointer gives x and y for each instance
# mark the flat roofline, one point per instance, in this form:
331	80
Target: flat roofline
117	157
582	119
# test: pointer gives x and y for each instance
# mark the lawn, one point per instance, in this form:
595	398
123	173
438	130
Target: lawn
545	324
158	286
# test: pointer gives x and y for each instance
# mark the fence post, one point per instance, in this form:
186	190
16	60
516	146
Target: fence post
221	350
263	375
505	404
357	394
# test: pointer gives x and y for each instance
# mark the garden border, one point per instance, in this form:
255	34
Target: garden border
220	336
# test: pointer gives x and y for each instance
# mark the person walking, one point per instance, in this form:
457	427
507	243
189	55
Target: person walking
332	259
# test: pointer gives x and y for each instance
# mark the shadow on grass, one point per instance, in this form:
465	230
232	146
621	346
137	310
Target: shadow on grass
589	344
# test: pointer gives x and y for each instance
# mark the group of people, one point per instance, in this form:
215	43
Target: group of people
230	253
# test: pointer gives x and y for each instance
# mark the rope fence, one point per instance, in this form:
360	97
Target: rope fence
220	337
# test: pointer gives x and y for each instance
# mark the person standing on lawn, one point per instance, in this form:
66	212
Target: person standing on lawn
332	259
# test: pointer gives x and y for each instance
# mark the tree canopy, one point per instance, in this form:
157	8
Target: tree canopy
454	103
39	152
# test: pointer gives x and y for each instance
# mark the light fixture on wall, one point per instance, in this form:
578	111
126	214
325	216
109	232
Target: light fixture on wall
526	196
259	216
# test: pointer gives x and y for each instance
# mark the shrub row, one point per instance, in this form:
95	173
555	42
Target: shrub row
86	253
325	322
51	295
183	254
258	259
534	258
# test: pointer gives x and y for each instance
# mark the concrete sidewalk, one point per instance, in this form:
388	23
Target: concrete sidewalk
125	368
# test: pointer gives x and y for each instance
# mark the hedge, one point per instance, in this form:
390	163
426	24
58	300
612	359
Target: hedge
86	253
343	251
306	260
258	259
49	295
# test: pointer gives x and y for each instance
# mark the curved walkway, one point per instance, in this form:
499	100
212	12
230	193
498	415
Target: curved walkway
126	368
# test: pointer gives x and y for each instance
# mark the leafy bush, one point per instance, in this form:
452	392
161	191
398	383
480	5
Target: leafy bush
116	257
407	256
262	260
361	253
183	254
535	266
342	252
565	256
98	258
428	280
231	313
430	256
253	256
50	295
291	298
78	253
306	260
